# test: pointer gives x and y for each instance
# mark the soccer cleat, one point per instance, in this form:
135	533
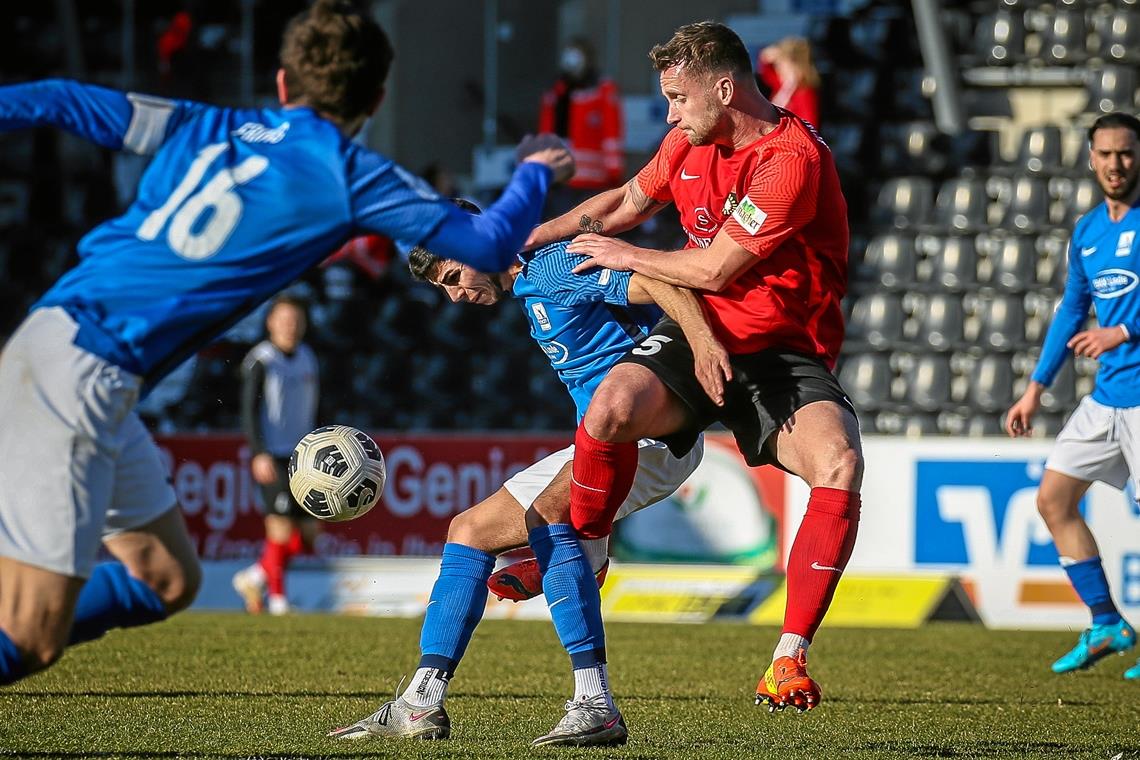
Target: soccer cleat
250	585
278	605
588	722
399	720
787	684
1096	642
1133	673
522	580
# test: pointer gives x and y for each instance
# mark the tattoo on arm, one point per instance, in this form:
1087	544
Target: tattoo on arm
640	201
586	224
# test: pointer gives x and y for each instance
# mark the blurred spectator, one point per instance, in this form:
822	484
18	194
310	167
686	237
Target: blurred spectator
585	109
787	71
279	407
371	254
441	178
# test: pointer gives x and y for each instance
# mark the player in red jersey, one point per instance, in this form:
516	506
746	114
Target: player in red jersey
759	198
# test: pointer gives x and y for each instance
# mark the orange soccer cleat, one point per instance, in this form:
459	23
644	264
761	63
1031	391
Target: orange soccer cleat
787	684
522	580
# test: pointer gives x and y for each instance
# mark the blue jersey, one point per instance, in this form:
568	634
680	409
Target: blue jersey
234	206
583	323
1104	270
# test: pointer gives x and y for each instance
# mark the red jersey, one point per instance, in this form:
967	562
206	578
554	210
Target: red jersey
779	199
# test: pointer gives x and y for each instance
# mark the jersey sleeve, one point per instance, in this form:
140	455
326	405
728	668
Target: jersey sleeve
110	118
781	199
550	271
1067	321
653	179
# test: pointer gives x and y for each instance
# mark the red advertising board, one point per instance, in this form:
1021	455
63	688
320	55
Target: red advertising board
430	478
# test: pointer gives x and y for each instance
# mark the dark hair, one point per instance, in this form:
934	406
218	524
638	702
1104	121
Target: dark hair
421	261
288	299
1115	120
704	47
336	58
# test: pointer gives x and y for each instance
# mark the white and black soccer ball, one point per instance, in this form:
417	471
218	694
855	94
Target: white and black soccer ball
337	473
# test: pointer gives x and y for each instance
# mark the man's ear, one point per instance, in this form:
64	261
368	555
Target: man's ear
282	88
724	88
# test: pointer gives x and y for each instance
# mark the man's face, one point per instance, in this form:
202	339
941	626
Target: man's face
693	108
462	284
1113	159
286	326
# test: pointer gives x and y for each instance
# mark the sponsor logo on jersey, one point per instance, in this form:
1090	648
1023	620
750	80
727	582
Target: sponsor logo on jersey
703	220
1124	242
604	277
555	351
730	204
252	132
700	242
1113	283
541	317
749	216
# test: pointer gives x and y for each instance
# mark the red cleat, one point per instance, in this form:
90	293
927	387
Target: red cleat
522	580
787	684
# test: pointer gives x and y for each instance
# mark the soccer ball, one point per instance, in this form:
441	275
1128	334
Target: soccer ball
337	473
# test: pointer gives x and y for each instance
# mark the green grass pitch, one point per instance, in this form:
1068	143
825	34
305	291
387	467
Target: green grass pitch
230	686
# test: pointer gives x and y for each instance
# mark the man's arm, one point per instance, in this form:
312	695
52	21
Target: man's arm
112	119
608	212
709	269
710	360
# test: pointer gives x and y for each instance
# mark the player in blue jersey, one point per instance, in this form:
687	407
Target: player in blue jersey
1101	440
584	324
235	205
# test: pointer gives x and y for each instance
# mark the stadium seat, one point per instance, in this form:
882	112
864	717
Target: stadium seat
1014	263
846	143
986	424
949	262
1061	396
1039	308
911	90
991	384
1001	323
877	319
1064	37
1119	34
867	380
904	202
1026	203
928	382
1040	150
853	90
1049	425
1077	197
1112	88
940	319
962	205
889	260
919	424
916	146
1001	37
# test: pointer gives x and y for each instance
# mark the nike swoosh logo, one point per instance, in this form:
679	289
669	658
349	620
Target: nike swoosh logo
817	566
686	175
433	601
612	723
416	716
560	601
1088	251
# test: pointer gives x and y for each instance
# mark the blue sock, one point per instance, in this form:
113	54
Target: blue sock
111	598
571	593
1087	577
458	599
11	662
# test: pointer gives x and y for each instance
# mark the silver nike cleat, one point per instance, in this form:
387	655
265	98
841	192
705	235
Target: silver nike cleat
587	722
399	720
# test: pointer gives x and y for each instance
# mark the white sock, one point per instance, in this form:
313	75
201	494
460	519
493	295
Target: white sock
597	551
592	681
790	644
428	688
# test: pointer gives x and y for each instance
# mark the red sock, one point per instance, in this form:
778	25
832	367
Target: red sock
603	475
274	557
819	555
295	545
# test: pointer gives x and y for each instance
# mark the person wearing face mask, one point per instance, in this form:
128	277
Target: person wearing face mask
585	109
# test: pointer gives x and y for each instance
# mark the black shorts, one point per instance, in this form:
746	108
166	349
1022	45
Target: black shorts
766	390
277	497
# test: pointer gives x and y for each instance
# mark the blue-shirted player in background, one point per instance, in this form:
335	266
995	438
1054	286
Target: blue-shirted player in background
584	324
1101	440
235	205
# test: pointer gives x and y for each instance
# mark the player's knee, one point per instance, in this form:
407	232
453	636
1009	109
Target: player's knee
1052	508
610	416
840	466
468	528
179	587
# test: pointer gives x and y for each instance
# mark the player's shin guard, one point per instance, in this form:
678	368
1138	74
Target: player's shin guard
456	606
603	474
818	557
111	598
11	662
571	593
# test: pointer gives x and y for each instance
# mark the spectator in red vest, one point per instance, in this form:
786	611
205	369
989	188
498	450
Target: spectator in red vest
786	69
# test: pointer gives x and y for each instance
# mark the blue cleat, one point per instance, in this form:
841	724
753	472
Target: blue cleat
1097	642
1133	673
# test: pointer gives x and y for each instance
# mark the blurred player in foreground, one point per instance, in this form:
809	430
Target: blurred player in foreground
759	198
280	389
1101	440
584	325
235	205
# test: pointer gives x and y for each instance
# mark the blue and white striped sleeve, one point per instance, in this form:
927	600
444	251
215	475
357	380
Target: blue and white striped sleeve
106	117
551	271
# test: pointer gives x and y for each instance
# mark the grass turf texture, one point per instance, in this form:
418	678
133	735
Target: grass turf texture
225	685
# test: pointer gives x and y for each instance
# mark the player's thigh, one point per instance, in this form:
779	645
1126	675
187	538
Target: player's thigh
161	555
660	473
36	608
820	443
494	525
1059	495
631	403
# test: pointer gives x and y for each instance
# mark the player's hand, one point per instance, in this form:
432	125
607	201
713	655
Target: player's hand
1018	418
549	150
1093	343
264	469
711	365
601	251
